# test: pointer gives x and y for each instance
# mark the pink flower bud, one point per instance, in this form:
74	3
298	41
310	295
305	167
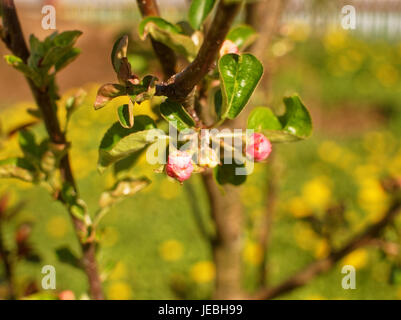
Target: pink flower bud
66	295
179	165
228	47
259	147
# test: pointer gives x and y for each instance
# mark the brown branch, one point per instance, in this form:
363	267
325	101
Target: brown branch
13	37
165	55
314	269
182	84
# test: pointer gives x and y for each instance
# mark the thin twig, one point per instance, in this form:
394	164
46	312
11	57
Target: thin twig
314	269
182	84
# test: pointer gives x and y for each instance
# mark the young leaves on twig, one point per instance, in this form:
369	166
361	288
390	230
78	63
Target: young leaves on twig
295	124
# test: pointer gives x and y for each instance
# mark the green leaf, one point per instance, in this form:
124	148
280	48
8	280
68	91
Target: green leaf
18	64
174	113
66	38
170	35
126	115
122	189
119	51
160	23
65	255
198	12
239	75
18	168
242	36
295	124
227	174
76	206
108	92
218	103
119	143
28	145
67	58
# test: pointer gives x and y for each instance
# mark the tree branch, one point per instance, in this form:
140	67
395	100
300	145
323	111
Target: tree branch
182	84
13	37
166	56
314	269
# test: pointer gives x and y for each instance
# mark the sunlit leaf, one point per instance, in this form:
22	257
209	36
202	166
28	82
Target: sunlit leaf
119	51
119	142
108	92
198	12
242	36
174	113
170	35
122	189
239	76
295	124
18	168
126	115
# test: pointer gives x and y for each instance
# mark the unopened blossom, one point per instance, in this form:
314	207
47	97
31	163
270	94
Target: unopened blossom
259	147
66	295
228	47
179	165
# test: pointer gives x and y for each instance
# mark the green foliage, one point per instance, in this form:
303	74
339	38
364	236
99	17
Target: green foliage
175	114
239	76
119	143
295	124
122	189
228	174
169	34
126	115
107	93
242	36
119	51
199	11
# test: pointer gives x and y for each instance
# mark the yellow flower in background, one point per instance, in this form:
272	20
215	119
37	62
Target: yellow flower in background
317	193
298	208
282	47
203	272
57	226
330	151
252	253
119	272
298	31
119	291
357	259
372	198
399	293
387	74
335	39
171	250
322	249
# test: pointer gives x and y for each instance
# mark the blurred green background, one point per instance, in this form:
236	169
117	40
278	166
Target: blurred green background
152	245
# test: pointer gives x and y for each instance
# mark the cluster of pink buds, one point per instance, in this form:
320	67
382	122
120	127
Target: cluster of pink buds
180	165
259	147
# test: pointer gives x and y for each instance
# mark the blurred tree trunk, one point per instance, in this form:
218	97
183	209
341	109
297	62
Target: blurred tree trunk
226	208
227	214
